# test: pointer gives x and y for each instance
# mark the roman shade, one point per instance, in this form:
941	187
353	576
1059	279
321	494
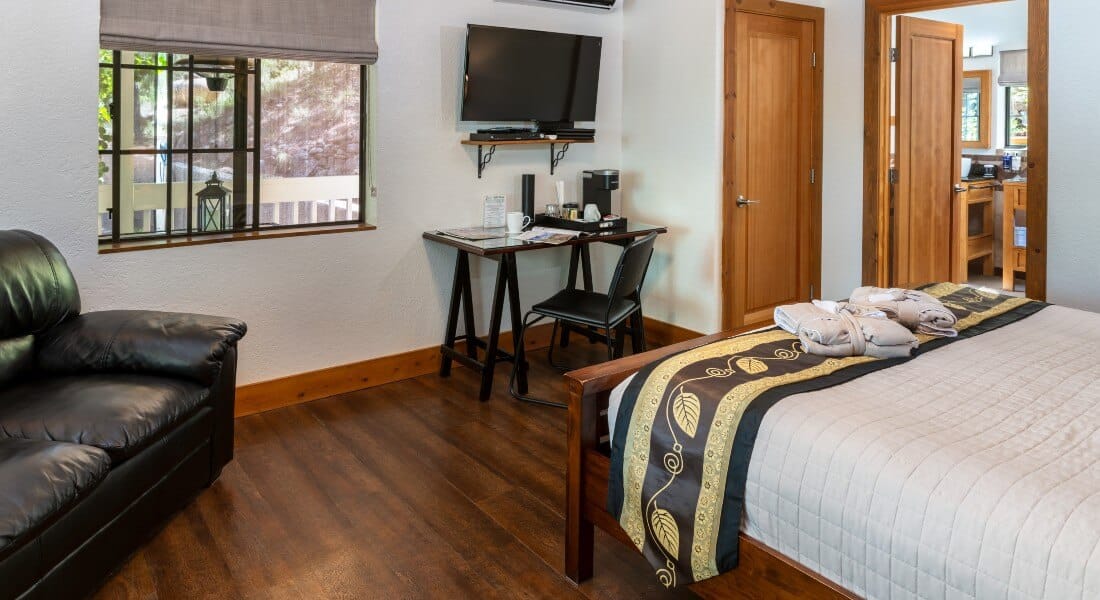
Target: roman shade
319	30
1013	67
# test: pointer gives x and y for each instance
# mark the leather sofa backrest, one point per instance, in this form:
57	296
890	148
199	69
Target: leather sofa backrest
37	290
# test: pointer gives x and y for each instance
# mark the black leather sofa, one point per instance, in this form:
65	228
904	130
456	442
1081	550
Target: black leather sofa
109	423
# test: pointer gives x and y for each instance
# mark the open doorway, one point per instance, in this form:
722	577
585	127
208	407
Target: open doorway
955	160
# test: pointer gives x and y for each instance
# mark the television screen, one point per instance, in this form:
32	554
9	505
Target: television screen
521	75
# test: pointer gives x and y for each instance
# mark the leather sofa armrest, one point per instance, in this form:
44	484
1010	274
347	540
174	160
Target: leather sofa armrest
129	341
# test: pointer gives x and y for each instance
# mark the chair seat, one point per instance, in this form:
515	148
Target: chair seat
39	480
122	414
588	308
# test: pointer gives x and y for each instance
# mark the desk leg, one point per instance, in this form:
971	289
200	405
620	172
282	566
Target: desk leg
571	284
520	356
468	312
459	289
586	265
494	328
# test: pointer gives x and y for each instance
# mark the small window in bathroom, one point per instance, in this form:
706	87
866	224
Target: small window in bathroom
1016	99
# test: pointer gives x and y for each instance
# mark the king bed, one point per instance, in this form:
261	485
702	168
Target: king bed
969	471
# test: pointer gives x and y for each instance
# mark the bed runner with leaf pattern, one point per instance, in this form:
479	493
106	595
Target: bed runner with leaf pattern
687	425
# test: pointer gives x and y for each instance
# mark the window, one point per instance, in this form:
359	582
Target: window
972	115
192	146
1016	99
976	105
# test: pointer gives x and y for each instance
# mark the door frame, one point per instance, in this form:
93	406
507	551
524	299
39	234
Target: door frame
789	10
877	226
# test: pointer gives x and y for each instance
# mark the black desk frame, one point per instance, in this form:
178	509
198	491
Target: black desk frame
507	282
483	356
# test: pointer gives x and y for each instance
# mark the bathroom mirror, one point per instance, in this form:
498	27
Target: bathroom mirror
977	108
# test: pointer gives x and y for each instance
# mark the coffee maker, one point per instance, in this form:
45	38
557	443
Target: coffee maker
598	186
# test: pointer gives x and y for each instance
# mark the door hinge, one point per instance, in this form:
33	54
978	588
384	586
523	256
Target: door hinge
893	55
813	59
811	291
813	175
893	177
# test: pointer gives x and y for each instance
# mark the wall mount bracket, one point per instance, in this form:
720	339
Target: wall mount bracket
557	156
487	149
483	160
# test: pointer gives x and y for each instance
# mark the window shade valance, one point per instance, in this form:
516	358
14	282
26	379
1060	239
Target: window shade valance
1013	68
320	30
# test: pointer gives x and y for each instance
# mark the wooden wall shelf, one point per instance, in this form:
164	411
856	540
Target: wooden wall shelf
978	198
1015	257
485	157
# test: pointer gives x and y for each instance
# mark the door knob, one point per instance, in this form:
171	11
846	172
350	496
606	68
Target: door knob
742	202
959	189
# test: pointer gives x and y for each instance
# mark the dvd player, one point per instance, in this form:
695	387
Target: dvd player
497	136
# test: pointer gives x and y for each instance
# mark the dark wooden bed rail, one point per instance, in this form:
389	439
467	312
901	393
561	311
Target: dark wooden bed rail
763	572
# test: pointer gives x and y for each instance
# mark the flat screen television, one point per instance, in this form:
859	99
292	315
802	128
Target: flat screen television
523	75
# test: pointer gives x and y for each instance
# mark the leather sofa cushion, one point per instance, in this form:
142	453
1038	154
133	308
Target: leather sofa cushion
37	290
141	342
41	479
16	357
122	414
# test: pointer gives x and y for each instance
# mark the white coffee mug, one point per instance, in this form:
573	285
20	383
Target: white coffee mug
517	222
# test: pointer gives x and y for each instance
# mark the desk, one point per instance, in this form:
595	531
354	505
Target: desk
504	250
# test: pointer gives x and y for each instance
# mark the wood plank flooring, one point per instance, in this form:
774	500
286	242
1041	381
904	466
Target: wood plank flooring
409	490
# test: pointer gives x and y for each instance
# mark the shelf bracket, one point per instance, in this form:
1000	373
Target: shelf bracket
556	156
483	160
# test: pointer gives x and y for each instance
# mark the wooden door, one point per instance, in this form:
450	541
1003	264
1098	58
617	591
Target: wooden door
772	198
929	216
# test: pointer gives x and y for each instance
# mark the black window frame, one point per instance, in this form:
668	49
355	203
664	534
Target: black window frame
242	69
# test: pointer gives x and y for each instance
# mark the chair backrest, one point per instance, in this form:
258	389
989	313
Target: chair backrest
630	272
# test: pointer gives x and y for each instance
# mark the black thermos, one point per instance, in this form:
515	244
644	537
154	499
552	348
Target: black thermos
529	196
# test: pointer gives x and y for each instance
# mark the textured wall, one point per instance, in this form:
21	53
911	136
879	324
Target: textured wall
1073	267
310	302
672	104
672	149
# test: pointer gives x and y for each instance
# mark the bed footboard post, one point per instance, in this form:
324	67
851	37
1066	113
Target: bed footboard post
579	531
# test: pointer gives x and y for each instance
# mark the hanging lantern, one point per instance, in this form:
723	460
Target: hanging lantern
213	205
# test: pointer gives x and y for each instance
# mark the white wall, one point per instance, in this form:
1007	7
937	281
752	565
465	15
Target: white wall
1073	260
672	153
310	302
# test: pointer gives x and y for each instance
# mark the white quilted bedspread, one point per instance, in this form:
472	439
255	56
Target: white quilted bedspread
969	472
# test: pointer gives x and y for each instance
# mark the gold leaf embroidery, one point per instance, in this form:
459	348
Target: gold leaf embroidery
752	366
686	409
666	530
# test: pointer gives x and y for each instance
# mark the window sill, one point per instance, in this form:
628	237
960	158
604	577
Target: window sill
242	236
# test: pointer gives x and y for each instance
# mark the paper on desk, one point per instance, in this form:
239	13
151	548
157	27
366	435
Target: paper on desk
475	234
548	235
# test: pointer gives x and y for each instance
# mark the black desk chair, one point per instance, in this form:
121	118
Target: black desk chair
593	312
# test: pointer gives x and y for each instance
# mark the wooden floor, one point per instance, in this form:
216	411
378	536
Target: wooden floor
409	490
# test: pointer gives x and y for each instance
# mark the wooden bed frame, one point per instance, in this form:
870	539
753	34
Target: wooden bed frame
763	572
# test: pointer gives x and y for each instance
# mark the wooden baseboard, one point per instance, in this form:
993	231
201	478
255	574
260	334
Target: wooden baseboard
314	385
659	333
